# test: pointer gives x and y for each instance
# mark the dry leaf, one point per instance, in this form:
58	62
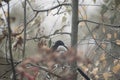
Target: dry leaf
118	42
97	63
103	29
84	68
115	35
103	46
64	19
97	77
82	24
106	75
95	70
94	35
115	61
116	68
102	57
109	36
104	63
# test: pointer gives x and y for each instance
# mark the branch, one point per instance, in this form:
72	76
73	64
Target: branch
48	36
25	26
110	25
54	7
3	74
10	46
46	70
83	74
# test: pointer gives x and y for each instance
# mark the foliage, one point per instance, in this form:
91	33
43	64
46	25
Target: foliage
98	40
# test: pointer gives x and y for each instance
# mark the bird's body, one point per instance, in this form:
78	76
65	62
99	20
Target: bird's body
61	48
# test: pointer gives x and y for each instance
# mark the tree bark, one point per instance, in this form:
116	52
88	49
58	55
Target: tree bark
74	37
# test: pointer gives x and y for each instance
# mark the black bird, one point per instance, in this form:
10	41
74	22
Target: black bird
60	46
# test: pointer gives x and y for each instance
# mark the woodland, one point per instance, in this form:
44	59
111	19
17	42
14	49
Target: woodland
88	29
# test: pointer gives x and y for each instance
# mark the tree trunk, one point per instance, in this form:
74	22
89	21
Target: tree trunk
74	36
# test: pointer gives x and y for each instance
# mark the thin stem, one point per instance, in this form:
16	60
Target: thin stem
10	46
25	25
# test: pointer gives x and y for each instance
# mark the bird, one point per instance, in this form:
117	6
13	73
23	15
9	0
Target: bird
60	47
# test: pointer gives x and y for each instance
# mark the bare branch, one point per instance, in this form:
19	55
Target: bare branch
25	26
48	36
109	25
54	7
46	70
10	46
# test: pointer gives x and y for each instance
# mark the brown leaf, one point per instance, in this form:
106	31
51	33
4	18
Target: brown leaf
106	75
95	70
103	46
115	35
116	68
103	29
102	57
118	42
109	36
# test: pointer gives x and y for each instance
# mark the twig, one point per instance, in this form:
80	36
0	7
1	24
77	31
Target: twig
46	70
54	7
48	36
109	25
25	25
10	46
83	74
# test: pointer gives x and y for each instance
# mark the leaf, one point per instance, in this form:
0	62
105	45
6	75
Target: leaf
64	19
103	29
103	45
104	9
102	57
94	36
95	70
115	61
115	35
109	36
116	68
84	68
118	42
106	75
97	63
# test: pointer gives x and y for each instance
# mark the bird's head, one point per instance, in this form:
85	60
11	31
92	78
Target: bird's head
59	45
